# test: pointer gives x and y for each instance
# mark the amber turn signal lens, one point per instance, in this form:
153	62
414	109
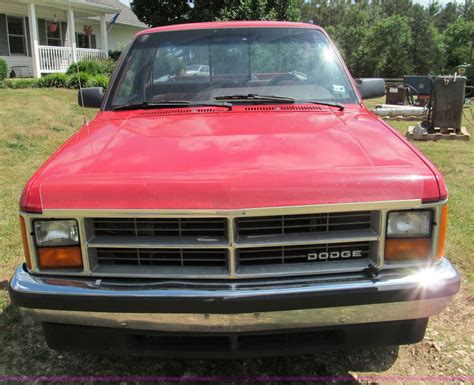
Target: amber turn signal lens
403	249
442	231
59	257
24	238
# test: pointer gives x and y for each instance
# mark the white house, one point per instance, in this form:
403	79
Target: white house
45	36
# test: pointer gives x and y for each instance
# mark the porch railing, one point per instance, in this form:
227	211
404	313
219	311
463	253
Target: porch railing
54	59
58	59
90	54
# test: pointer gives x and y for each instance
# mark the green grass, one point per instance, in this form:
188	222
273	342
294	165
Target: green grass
33	123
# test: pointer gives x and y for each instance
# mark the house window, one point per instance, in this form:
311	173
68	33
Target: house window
16	35
85	41
54	38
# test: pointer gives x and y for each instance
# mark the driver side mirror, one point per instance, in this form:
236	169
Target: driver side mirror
90	97
370	88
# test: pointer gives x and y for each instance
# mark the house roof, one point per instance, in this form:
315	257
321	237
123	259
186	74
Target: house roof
126	16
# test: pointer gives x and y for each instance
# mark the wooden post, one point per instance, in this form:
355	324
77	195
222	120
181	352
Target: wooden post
33	25
72	33
103	34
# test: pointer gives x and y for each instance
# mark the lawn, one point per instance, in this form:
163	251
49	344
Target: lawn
33	123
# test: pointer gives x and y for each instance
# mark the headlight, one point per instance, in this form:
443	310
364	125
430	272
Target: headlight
409	224
56	232
408	235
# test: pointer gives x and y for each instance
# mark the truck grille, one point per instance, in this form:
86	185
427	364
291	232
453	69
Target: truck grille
302	254
175	227
223	247
162	257
294	224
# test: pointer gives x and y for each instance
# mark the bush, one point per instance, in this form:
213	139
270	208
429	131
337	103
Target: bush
3	69
53	80
92	67
22	83
73	80
114	55
98	81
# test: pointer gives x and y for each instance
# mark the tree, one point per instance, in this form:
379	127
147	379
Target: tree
449	14
210	10
350	39
388	44
161	12
396	7
427	47
458	38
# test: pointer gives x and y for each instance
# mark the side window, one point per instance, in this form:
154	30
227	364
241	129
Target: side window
16	35
133	77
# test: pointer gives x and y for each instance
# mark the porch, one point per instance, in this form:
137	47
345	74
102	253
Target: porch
48	37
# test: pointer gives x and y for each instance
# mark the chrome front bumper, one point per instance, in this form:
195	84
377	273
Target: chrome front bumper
236	306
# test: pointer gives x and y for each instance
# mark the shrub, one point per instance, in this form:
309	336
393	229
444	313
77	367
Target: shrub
22	83
98	81
73	80
114	55
92	67
3	69
53	80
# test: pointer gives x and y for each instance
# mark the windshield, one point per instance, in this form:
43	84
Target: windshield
235	64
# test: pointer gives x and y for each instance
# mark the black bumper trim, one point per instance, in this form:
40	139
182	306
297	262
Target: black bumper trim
232	345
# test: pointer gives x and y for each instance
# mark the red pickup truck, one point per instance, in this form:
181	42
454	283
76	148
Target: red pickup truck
233	197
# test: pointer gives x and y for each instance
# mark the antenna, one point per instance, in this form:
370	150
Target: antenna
80	91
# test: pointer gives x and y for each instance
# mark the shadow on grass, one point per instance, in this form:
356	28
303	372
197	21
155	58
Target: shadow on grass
25	353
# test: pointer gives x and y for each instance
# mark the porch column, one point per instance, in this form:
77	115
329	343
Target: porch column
33	26
72	33
103	34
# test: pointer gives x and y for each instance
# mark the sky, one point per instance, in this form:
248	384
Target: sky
424	2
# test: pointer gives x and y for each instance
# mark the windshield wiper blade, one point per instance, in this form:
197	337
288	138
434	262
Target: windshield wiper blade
337	105
174	103
263	98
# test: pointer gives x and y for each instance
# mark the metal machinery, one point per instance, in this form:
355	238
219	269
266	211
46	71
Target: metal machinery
396	95
437	101
447	103
467	70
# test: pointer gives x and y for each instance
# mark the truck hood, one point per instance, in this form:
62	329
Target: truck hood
232	159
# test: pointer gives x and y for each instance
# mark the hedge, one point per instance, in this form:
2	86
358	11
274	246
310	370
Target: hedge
93	73
92	67
58	81
3	69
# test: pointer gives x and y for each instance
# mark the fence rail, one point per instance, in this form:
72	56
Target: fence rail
90	54
54	59
58	59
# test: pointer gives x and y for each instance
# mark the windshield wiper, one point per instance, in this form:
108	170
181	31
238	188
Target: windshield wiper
264	98
174	103
337	105
279	99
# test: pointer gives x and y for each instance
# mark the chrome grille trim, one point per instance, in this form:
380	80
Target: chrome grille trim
83	215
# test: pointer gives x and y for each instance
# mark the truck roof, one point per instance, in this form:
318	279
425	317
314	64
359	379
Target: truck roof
228	24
